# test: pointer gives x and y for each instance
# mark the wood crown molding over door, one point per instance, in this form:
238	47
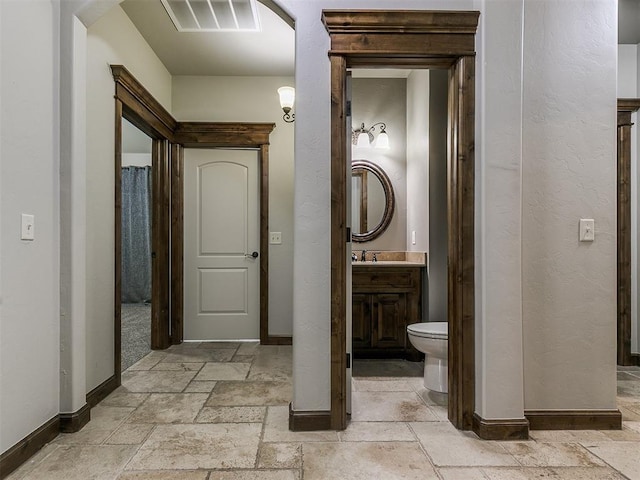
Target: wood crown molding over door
410	39
626	106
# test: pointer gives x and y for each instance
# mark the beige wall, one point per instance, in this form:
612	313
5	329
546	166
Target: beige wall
438	221
569	173
29	270
111	40
384	100
418	160
254	99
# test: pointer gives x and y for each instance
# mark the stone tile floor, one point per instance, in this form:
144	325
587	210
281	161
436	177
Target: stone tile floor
218	411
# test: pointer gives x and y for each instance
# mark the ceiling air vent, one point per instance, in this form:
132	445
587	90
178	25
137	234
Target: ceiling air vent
213	15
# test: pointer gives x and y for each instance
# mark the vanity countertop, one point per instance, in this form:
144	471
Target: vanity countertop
388	263
391	259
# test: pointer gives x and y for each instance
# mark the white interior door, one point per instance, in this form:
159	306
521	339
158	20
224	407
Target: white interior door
221	232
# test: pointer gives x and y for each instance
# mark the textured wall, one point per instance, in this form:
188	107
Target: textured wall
111	40
384	100
438	222
29	270
499	376
569	172
418	160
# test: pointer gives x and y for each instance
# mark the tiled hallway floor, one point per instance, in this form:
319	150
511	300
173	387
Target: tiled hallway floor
219	412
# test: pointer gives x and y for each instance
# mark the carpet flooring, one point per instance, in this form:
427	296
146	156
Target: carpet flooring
136	332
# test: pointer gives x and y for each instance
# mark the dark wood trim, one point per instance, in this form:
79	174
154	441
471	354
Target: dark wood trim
277	340
400	62
421	39
626	106
28	446
117	228
160	246
574	419
367	22
177	243
73	422
339	298
307	421
461	267
223	134
502	429
95	396
264	243
148	114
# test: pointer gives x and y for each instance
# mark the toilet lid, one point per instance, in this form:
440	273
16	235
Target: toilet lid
429	329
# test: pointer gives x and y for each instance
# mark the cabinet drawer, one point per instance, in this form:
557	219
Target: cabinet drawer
385	279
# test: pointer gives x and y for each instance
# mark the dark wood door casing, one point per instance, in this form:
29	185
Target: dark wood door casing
170	137
626	106
410	39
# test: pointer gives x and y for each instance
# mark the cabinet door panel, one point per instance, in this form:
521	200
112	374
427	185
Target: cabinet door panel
389	320
361	320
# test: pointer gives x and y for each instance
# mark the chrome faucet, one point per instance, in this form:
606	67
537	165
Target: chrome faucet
375	257
363	256
354	257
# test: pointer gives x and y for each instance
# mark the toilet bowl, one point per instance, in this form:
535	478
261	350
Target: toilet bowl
431	338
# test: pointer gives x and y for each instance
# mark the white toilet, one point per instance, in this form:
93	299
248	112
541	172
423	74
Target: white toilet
431	338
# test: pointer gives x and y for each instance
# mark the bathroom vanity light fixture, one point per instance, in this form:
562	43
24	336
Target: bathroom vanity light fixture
287	98
362	137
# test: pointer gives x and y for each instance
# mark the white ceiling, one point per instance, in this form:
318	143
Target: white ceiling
270	52
629	21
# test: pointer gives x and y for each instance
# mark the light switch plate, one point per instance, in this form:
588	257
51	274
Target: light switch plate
275	238
27	227
587	230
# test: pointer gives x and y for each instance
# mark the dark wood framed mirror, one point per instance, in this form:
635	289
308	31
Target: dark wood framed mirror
373	201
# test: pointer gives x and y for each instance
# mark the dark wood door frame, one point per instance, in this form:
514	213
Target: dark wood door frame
410	39
226	135
138	106
170	137
626	106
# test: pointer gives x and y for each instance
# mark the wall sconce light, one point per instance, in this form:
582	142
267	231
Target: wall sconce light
287	98
362	137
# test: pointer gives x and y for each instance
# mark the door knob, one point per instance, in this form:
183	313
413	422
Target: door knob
251	255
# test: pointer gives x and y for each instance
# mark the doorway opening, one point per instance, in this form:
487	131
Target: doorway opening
404	179
417	39
136	255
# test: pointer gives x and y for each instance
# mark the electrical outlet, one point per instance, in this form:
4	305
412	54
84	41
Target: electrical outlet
275	238
587	230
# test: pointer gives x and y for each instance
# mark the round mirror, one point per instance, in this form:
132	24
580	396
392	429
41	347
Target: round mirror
372	201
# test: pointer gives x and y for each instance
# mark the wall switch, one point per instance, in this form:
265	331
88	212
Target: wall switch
27	228
413	237
275	238
587	230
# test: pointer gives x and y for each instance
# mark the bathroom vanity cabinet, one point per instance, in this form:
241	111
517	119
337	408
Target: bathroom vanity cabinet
386	298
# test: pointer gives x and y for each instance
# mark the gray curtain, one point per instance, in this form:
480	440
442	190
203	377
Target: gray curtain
136	235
